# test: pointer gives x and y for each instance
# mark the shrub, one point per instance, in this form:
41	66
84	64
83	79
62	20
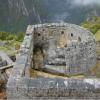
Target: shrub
20	36
3	35
10	36
93	25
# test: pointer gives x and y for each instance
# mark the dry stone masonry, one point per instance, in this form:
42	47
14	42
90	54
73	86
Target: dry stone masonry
66	48
57	48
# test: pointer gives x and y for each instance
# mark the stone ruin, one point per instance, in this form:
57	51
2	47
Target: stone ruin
64	48
58	48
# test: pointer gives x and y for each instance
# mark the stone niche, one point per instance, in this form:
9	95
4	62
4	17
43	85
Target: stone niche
67	49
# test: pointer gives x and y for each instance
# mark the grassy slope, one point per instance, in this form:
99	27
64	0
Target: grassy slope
10	42
9	48
94	26
97	35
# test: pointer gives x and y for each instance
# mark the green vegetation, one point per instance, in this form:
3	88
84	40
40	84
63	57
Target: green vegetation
7	50
10	43
94	26
97	35
5	36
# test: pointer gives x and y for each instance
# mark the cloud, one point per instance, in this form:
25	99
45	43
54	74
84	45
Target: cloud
84	2
60	17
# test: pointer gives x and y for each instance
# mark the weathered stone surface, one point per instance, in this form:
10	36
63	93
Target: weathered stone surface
5	57
56	88
69	45
76	54
3	63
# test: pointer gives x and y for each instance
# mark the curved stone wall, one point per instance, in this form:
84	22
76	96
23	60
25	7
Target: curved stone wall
68	48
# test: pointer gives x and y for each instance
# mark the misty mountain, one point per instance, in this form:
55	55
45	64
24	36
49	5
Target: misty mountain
15	15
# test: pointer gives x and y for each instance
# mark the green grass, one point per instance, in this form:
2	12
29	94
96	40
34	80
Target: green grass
7	47
93	25
7	50
2	48
97	35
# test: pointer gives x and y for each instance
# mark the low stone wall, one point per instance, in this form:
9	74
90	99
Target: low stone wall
40	88
23	62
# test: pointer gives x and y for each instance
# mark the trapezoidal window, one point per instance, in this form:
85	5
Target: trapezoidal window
62	40
62	32
39	34
71	34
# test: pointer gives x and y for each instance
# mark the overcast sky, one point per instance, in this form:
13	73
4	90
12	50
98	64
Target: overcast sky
84	2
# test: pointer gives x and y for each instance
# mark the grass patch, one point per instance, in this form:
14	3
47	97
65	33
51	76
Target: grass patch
3	48
97	35
10	47
7	50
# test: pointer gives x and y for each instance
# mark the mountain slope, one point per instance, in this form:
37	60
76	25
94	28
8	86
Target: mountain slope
15	15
